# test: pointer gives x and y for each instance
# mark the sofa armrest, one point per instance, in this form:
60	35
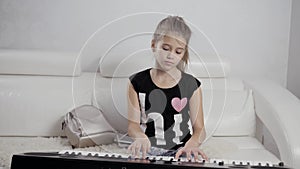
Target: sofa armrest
279	110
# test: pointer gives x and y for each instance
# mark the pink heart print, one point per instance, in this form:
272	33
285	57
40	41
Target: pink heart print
178	104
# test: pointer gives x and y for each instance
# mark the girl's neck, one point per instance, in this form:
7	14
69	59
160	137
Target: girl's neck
173	73
165	79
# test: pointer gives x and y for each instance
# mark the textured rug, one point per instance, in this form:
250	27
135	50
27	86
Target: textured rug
16	145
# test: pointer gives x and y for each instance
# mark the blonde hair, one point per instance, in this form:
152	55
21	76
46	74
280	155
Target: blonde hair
174	25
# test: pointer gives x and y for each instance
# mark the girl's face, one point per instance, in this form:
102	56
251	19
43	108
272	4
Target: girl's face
168	52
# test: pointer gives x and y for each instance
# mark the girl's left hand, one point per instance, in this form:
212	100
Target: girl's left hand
191	148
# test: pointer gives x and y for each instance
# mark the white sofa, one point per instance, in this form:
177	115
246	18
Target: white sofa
245	120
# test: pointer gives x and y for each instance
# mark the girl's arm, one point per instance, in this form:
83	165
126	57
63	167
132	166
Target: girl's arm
197	120
134	129
141	141
196	115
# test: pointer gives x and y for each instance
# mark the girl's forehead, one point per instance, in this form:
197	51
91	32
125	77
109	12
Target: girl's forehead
174	40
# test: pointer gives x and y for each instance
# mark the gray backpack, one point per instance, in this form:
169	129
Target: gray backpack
86	126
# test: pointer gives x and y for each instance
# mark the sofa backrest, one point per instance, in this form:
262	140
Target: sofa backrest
38	62
226	103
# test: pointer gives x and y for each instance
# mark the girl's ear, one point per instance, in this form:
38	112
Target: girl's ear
153	45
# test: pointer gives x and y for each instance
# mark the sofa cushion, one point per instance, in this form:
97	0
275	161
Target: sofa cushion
36	62
238	117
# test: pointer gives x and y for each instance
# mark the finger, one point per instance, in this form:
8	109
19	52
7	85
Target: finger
196	156
203	155
144	149
129	149
133	151
148	148
179	152
188	155
137	151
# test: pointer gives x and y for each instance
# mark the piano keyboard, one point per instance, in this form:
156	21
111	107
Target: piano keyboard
168	158
70	159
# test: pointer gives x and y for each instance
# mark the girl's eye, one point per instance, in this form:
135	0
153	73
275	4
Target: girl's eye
165	48
179	52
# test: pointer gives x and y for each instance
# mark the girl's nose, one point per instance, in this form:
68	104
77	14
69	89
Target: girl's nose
170	55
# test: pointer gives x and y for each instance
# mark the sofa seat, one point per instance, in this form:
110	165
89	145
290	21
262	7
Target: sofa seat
239	148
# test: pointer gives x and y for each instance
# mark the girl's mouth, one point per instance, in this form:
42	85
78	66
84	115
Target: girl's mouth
168	63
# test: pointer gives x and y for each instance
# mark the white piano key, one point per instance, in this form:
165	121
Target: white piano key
159	157
241	162
125	156
221	160
214	160
231	162
248	162
152	157
259	163
183	159
268	163
62	151
166	158
251	163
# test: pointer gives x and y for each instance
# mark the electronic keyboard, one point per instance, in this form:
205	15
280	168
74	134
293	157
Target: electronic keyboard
69	159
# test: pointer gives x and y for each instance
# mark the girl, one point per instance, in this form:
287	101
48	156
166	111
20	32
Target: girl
164	102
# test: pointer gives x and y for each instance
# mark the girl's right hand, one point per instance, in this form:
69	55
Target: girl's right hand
139	145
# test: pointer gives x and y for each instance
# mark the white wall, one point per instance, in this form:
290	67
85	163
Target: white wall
253	34
293	78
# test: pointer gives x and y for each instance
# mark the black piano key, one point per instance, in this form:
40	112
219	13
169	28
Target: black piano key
281	164
153	160
221	163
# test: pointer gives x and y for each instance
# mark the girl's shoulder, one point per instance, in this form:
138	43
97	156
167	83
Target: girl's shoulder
140	75
188	78
140	79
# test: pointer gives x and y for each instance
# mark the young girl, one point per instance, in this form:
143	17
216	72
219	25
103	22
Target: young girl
164	103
